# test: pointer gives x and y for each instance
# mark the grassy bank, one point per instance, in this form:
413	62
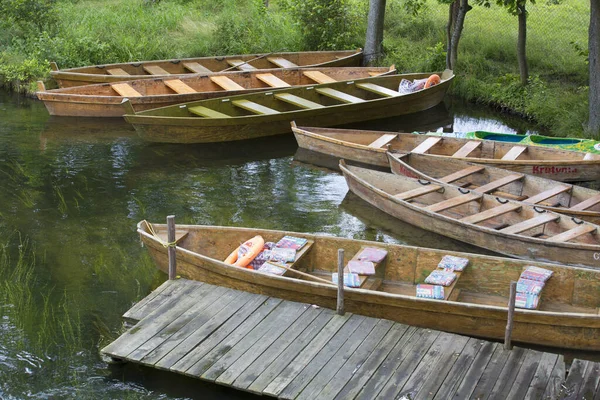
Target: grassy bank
83	32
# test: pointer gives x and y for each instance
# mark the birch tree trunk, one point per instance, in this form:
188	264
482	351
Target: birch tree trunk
374	39
594	66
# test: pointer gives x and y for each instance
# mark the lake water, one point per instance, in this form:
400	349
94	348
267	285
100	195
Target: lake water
71	193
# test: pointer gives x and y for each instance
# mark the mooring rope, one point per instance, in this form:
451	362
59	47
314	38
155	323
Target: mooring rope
164	244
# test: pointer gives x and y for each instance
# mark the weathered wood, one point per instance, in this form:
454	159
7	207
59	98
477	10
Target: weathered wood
426	145
125	90
156	70
460	368
525	375
548	193
383	140
159	296
586	204
318	77
506	378
377	89
339	95
254	107
530	223
590	388
491	213
511	316
179	87
491	186
272	80
574	382
116	71
196	67
490	374
298	101
413	193
282	62
467	148
463	173
471	378
557	377
226	83
542	376
453	202
241	65
573	233
340	283
171	246
514	153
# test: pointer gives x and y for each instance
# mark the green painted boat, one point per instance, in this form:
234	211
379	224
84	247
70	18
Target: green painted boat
568	143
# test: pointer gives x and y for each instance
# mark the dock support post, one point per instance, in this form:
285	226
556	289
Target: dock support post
511	312
340	283
171	246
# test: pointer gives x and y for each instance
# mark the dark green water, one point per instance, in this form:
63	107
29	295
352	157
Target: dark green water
71	193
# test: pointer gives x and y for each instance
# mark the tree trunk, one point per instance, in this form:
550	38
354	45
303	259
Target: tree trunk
458	27
374	39
452	13
522	44
594	65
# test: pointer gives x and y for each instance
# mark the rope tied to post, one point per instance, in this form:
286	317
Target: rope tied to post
153	232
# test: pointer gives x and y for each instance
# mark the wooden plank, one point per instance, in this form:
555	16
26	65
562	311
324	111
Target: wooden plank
540	380
298	101
467	148
253	344
125	90
588	203
154	299
411	194
226	83
514	153
490	374
195	67
574	381
281	62
525	375
491	213
498	183
258	382
505	379
448	290
426	145
241	65
338	95
179	87
377	89
572	233
330	381
383	140
546	194
254	107
475	372
116	71
372	283
463	173
329	360
529	224
318	76
368	369
155	70
272	80
591	381
453	202
557	377
207	112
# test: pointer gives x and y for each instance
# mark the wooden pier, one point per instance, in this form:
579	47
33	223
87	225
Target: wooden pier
292	350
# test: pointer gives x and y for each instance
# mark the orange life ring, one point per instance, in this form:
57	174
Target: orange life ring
249	249
432	81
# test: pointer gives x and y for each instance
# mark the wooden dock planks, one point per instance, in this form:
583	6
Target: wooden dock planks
291	350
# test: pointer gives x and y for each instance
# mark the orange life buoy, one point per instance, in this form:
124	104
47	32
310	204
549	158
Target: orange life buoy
432	81
246	252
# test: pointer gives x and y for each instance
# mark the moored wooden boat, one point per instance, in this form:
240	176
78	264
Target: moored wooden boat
507	227
106	99
269	113
201	65
475	304
369	147
565	143
573	200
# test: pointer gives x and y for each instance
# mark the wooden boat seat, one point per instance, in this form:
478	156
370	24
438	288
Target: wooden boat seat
299	255
584	205
530	223
155	70
491	213
463	173
281	62
548	193
514	153
226	83
338	95
367	281
572	233
116	71
207	112
498	183
179	236
453	202
411	194
449	290
179	87
254	107
383	140
298	101
426	145
318	76
195	67
125	90
241	65
467	148
377	89
272	80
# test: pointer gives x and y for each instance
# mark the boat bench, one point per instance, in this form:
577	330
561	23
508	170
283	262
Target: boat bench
299	255
207	112
297	101
155	70
179	86
195	67
116	71
318	77
370	282
225	83
125	90
241	65
281	62
254	107
339	96
272	80
377	89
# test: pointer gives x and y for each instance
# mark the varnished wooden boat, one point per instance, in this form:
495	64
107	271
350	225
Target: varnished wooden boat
576	201
106	99
201	65
269	113
475	305
369	147
504	226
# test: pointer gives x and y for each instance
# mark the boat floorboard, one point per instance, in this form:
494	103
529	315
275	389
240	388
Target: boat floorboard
293	350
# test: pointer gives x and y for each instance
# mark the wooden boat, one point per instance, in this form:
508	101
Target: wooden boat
475	305
269	113
504	226
565	143
201	65
369	147
106	99
576	201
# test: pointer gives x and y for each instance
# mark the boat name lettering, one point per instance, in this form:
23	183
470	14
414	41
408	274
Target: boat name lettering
406	172
537	169
596	256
